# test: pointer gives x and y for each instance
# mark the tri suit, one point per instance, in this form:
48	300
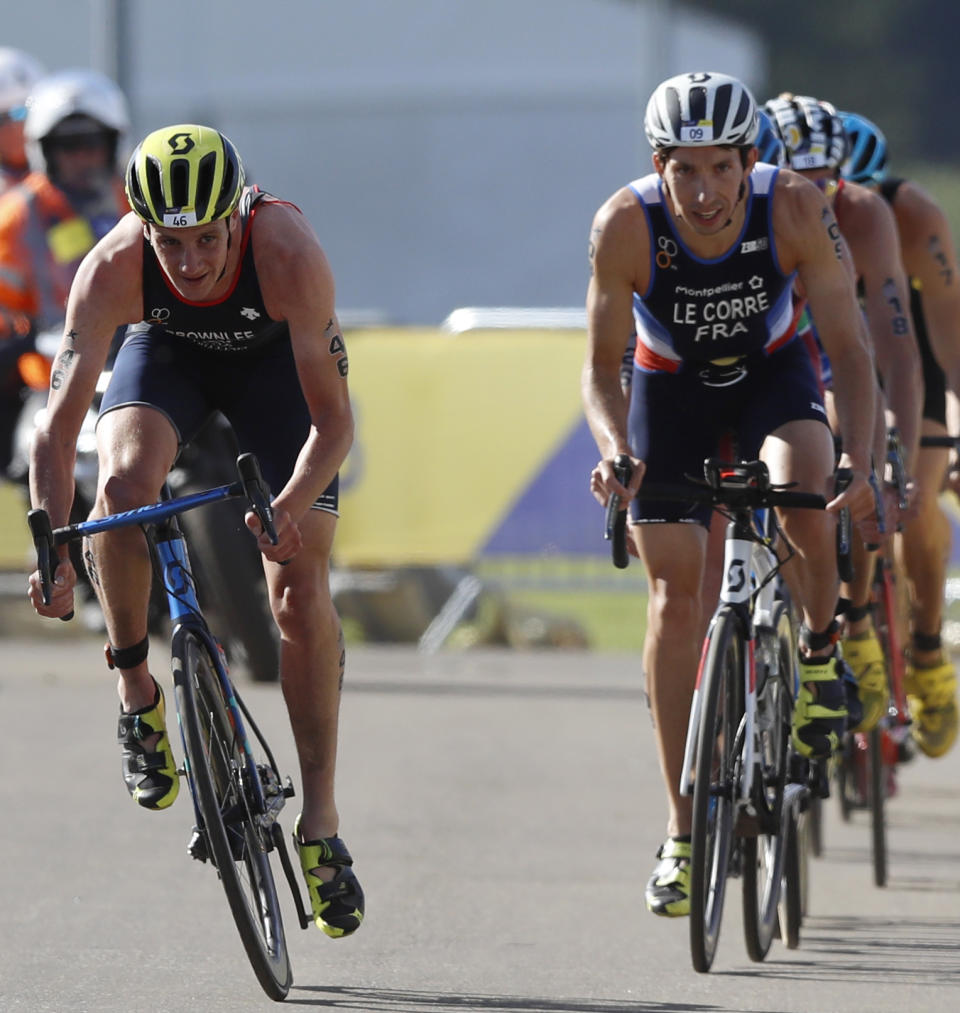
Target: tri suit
716	353
190	359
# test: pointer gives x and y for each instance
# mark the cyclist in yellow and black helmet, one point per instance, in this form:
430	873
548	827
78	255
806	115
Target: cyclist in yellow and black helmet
184	175
228	302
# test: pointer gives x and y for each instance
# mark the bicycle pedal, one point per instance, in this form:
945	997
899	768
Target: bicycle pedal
197	845
288	791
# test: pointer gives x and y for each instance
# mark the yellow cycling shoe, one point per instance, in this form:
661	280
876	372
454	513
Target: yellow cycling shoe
932	696
150	775
864	655
668	891
337	905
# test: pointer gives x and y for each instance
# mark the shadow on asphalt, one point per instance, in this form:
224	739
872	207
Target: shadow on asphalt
388	1000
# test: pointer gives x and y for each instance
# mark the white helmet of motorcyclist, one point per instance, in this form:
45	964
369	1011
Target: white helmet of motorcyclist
19	72
72	103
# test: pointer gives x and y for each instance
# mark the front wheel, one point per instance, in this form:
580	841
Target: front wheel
763	854
714	786
236	843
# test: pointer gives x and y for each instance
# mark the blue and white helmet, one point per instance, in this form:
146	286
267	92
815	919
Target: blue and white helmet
699	110
867	156
769	146
811	131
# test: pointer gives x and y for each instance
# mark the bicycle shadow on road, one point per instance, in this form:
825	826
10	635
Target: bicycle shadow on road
388	1000
871	951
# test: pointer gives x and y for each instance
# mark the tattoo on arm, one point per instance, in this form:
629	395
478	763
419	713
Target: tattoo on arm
833	231
343	655
935	246
61	369
592	248
899	320
336	346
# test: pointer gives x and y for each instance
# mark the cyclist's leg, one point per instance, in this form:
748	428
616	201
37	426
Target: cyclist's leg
925	545
801	451
311	674
673	555
137	445
926	542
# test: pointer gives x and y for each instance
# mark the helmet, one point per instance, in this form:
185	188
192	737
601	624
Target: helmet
184	175
73	102
867	156
701	110
811	131
768	142
19	72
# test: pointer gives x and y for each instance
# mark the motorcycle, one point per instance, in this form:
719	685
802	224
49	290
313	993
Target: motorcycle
222	551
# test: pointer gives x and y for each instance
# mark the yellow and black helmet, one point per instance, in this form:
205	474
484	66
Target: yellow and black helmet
184	175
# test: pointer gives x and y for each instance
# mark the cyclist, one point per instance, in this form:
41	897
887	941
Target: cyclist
19	72
229	302
702	254
930	261
816	146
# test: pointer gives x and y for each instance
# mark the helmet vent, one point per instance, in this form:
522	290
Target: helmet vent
179	182
205	173
721	106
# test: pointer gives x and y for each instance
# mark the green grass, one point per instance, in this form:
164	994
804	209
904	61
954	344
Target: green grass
608	605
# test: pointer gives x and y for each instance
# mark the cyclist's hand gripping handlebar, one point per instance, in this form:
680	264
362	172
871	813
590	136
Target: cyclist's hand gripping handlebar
616	527
42	532
258	495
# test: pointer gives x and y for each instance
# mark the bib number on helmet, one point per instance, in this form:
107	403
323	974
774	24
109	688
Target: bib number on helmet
180	219
702	131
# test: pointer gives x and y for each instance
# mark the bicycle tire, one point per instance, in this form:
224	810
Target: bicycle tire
878	817
713	803
236	845
764	854
792	906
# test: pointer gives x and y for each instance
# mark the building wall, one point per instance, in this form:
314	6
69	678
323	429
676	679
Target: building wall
448	153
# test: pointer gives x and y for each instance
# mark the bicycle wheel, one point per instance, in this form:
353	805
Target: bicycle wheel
763	854
878	818
237	845
792	904
714	780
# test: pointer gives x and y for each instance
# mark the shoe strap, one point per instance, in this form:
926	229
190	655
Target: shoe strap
672	848
820	670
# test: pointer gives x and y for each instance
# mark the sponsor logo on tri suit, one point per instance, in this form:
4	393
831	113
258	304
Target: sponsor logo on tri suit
755	245
716	319
250	313
160	315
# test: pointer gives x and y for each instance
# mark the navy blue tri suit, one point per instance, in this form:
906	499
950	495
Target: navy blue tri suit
190	359
717	353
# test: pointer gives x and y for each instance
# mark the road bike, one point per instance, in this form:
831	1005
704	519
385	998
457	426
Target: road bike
749	788
236	787
866	770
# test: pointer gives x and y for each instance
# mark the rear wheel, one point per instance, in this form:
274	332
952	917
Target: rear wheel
234	841
714	786
878	820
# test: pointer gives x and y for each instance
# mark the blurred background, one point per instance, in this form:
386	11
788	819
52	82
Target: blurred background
450	155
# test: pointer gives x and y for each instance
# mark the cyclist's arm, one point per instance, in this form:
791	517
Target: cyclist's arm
871	230
618	253
808	241
298	287
106	293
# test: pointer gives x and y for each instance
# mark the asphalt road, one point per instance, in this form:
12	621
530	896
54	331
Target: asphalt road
503	810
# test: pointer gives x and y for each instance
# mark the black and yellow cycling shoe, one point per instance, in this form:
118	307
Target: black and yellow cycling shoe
668	891
150	775
822	707
337	905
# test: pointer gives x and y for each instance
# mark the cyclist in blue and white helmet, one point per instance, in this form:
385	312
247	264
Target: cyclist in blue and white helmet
699	257
866	160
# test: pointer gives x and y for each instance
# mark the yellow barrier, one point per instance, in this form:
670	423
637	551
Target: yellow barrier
451	431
